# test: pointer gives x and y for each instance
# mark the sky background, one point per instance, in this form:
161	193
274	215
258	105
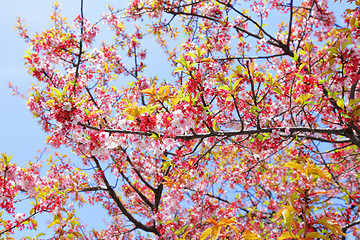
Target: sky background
20	135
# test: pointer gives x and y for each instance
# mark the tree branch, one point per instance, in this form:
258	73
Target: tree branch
142	196
292	130
290	23
346	227
120	205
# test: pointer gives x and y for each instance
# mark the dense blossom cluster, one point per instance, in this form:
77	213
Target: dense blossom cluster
255	136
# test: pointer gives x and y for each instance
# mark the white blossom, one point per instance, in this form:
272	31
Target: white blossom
66	106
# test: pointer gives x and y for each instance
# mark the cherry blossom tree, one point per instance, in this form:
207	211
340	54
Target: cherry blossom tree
255	135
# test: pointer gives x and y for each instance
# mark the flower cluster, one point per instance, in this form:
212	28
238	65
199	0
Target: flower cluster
252	130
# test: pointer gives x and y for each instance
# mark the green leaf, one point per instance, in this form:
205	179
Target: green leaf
181	230
327	72
183	62
305	97
255	109
293	196
6	159
278	91
65	89
288	214
166	165
236	83
56	221
296	57
344	45
260	137
309	46
228	98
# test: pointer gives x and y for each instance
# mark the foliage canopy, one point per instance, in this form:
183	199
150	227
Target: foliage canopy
255	135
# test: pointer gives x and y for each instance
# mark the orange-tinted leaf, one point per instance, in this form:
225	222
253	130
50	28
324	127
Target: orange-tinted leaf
332	225
212	221
234	229
225	221
250	235
286	235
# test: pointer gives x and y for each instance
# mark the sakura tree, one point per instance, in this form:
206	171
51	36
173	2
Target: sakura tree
255	135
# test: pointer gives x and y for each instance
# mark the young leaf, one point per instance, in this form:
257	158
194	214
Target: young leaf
296	166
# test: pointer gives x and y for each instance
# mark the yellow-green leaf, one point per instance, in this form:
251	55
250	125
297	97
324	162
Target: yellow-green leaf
288	214
179	69
323	174
295	166
39	235
50	102
314	235
191	54
286	235
278	91
332	225
226	221
340	103
56	221
205	234
65	89
56	91
234	229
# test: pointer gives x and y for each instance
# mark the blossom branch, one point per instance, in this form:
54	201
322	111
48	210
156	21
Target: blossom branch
292	130
137	171
290	23
18	224
142	196
80	44
346	227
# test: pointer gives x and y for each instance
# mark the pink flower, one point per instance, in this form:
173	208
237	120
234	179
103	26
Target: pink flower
287	131
170	143
275	133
